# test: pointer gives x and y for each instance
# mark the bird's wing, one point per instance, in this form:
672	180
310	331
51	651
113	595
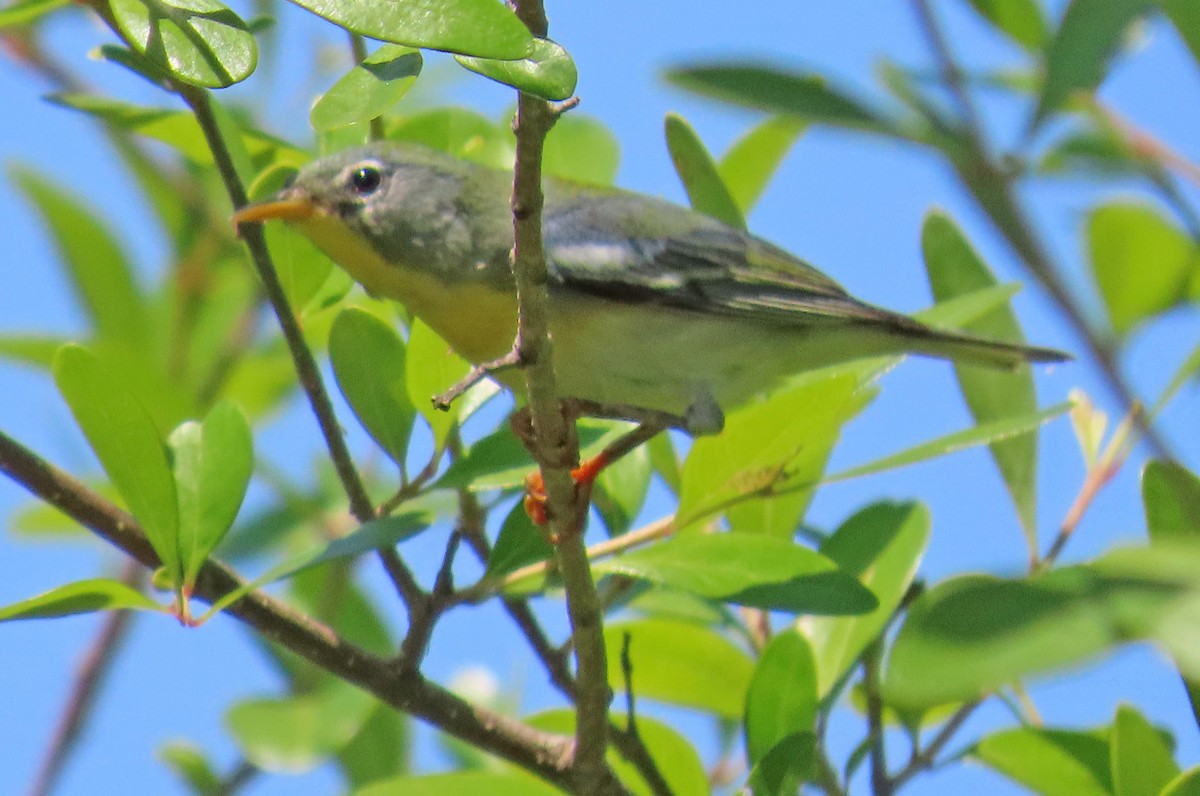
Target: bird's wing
699	265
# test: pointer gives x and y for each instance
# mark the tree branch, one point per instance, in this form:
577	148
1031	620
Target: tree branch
544	754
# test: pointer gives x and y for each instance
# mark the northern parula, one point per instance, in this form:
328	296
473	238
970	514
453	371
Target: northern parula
652	306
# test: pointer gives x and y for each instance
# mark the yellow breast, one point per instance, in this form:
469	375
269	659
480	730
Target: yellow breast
480	322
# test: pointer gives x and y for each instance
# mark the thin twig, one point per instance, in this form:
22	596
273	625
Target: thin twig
86	689
925	758
880	783
477	374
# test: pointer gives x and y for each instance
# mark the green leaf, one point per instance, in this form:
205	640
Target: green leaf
128	445
1077	56
1185	16
30	349
972	634
882	545
374	535
1049	762
99	271
681	664
581	148
954	268
1186	784
782	698
783	770
547	71
431	368
620	491
753	159
462	133
23	12
190	765
380	749
1142	763
302	268
747	569
200	42
770	89
777	516
460	783
368	90
297	733
1020	20
81	597
212	463
1171	497
696	169
519	543
1142	263
501	461
984	434
368	360
673	756
471	27
768	447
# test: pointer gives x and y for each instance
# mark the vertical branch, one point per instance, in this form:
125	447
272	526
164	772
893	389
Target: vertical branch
555	444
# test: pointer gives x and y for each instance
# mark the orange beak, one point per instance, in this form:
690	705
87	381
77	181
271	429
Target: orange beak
283	209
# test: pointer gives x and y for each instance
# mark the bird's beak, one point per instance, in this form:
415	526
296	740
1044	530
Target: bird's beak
283	208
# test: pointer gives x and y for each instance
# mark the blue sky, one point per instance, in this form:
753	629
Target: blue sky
850	205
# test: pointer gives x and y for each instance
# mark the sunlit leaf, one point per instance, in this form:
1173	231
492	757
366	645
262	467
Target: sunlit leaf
782	698
1049	761
432	368
753	159
24	12
81	597
1021	20
367	90
547	71
583	149
201	42
460	132
1142	763
696	169
460	783
190	765
295	733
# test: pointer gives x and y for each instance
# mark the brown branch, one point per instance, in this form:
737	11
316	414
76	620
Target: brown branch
92	670
544	754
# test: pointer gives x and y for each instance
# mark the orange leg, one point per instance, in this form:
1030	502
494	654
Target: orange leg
584	475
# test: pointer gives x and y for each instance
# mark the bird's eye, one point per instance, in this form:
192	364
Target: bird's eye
365	180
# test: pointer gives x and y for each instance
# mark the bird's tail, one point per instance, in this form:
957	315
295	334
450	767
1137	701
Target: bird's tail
973	350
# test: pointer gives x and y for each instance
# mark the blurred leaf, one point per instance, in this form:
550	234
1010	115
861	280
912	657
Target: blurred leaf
177	129
99	271
775	90
783	770
200	42
1171	496
1049	762
774	516
1003	429
212	463
1142	764
698	173
954	269
666	461
463	133
882	545
753	159
673	756
1020	20
460	783
583	149
1186	371
782	697
190	765
1089	424
747	569
297	733
501	461
368	360
369	89
23	12
80	597
1078	54
1186	784
431	368
1185	16
620	491
128	445
380	749
768	446
1142	263
32	350
1089	152
547	71
972	634
681	664
374	535
471	27
518	544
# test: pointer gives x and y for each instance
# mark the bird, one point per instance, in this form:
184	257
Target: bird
655	310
